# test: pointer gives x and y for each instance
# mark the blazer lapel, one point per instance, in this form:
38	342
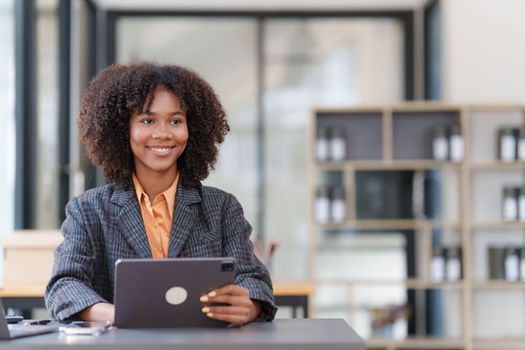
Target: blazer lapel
184	218
130	223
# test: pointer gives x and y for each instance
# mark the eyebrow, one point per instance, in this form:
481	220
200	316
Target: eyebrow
149	112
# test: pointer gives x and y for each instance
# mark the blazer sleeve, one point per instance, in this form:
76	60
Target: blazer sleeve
252	274
70	289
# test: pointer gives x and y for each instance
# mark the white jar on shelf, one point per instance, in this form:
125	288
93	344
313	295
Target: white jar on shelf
512	264
338	204
321	144
509	204
438	264
322	205
440	144
507	144
337	144
453	263
456	145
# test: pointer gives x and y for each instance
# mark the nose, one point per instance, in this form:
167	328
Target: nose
161	132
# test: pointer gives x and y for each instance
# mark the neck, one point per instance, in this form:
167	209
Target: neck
154	183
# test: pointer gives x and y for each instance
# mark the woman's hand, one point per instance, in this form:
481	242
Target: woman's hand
98	312
241	308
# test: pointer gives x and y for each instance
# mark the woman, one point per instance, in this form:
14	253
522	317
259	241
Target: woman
155	131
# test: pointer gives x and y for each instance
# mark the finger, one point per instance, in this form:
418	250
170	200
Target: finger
227	289
235	320
231	300
227	310
230	289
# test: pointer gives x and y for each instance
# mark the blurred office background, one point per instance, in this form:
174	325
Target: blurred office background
271	63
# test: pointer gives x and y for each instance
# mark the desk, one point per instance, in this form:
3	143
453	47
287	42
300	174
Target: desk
304	334
23	298
293	294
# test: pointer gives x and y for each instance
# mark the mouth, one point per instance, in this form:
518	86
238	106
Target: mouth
160	150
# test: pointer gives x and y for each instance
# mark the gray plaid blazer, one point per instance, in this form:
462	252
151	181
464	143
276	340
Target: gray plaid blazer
105	224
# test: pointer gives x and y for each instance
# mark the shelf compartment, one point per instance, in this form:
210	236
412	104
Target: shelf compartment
484	239
505	307
412	131
407	194
483	128
363	131
486	193
385	249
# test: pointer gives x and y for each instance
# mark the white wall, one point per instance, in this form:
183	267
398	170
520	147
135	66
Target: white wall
484	62
483	51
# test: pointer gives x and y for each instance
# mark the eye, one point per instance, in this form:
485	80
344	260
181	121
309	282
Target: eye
176	122
147	121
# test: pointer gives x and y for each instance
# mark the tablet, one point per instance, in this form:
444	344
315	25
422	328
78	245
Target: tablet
164	293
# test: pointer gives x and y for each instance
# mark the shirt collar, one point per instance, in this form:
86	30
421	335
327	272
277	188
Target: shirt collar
169	194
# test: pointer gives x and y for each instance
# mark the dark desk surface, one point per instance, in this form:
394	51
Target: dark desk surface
281	334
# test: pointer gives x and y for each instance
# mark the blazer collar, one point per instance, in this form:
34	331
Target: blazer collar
131	225
185	217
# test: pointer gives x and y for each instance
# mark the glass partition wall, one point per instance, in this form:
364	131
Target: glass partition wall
269	73
309	63
7	131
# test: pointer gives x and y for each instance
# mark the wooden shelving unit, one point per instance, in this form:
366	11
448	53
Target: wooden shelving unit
499	344
385	224
396	138
415	343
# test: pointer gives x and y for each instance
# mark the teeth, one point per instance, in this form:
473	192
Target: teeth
160	149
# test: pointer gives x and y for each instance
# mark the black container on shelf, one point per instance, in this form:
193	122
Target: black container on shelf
521	145
496	262
516	132
520	193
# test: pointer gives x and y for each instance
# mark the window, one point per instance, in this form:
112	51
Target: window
7	131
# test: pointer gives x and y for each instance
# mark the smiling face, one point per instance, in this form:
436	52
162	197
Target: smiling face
158	136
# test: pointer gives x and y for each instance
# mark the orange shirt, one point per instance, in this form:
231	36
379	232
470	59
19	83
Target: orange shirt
158	217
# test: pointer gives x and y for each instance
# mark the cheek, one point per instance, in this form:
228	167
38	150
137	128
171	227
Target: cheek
182	136
136	139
